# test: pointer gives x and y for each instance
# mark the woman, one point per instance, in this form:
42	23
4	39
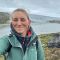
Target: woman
22	43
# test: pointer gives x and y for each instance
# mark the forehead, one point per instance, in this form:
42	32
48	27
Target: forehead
19	14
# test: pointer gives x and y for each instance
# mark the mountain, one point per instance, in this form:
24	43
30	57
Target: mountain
4	17
41	18
54	21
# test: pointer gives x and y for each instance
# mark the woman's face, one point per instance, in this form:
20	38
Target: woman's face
20	22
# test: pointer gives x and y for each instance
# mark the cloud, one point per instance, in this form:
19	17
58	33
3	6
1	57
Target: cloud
40	7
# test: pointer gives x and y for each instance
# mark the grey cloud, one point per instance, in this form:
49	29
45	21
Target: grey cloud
51	7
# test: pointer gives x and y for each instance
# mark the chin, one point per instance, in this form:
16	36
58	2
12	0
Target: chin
19	31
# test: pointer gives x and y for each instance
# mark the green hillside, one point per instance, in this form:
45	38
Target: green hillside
4	17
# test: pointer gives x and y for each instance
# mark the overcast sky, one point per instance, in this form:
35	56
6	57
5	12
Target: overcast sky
40	7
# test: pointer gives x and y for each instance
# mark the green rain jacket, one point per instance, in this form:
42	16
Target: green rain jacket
16	51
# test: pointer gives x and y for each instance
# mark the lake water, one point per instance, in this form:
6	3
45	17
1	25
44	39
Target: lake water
37	27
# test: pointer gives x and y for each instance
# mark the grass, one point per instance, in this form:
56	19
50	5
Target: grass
1	57
52	53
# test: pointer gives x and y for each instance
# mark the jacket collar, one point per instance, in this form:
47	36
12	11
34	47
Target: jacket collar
14	42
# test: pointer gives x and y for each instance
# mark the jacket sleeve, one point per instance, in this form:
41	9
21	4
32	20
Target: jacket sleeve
4	44
40	51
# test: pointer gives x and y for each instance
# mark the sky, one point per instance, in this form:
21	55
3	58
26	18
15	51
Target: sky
39	7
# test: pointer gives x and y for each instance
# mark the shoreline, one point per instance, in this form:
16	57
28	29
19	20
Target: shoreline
3	25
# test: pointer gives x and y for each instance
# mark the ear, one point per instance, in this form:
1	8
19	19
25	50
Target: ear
29	21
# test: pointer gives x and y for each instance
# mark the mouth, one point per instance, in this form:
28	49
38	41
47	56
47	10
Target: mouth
19	27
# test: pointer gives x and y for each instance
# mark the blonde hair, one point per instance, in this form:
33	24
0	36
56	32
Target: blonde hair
21	10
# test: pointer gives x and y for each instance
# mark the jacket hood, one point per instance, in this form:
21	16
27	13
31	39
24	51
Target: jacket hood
13	40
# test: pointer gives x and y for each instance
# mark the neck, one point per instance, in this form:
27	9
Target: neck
24	34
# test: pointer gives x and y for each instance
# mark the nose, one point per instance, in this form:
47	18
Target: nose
19	22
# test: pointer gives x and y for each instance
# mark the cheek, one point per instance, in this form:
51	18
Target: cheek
27	24
14	23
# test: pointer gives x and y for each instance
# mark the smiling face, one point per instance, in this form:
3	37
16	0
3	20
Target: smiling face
20	22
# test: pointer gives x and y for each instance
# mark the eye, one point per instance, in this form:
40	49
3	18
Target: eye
23	19
15	19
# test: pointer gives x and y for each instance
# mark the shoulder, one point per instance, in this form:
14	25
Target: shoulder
4	38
